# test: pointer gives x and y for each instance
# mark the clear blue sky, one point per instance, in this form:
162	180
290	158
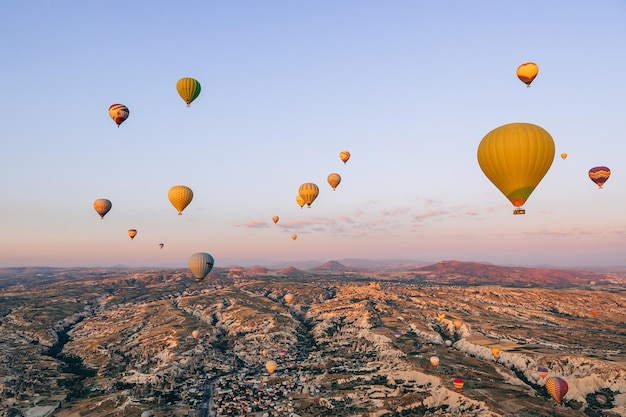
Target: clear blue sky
408	87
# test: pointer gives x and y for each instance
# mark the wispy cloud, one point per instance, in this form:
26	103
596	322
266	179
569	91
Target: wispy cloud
255	224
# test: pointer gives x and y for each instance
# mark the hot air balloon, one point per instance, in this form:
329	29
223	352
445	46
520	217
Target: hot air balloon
563	155
515	157
119	113
458	384
434	361
195	334
557	388
188	89
264	352
397	334
132	233
594	312
543	372
200	264
599	175
275	219
344	156
102	206
300	201
289	298
457	323
334	180
527	72
161	245
309	192
294	236
448	342
495	352
180	196
270	366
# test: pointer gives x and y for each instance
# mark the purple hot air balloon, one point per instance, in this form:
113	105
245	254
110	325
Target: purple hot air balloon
599	175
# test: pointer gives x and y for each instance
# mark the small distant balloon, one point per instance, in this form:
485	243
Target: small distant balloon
495	352
398	334
180	196
434	361
270	366
557	388
458	384
161	245
264	352
333	180
275	219
594	312
188	89
543	372
457	323
200	264
448	342
289	298
309	192
119	113
294	236
527	72
195	334
563	155
132	233
599	175
344	156
300	201
102	206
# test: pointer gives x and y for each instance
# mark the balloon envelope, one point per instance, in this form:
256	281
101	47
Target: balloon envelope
563	155
161	245
289	298
344	156
132	233
294	236
458	384
300	200
195	334
434	361
527	72
457	323
309	192
200	264
543	372
119	113
270	366
180	196
188	89
102	206
334	180
515	158
557	388
495	352
275	219
599	175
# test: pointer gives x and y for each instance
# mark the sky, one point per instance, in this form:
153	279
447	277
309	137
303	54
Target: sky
408	87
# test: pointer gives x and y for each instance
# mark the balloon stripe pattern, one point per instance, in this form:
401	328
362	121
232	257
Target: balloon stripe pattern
599	175
188	89
557	388
119	113
102	206
515	157
309	192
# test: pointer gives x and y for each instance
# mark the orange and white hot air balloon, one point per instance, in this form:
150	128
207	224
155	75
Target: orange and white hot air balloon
289	298
270	366
275	219
294	236
119	113
434	361
527	72
333	180
195	334
132	233
180	196
344	156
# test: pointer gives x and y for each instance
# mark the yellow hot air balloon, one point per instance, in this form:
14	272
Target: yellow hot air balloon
195	334
563	155
344	156
309	192
264	352
132	233
495	352
188	89
102	206
434	361
270	366
275	219
334	180
300	201
180	196
527	72
457	323
119	113
515	157
289	298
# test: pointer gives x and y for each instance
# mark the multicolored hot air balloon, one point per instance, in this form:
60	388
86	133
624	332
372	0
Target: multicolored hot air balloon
515	157
333	180
434	361
132	233
557	388
180	196
270	366
599	175
543	372
527	72
344	156
188	89
289	298
200	264
309	192
102	206
563	155
275	219
161	245
458	384
119	113
300	201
